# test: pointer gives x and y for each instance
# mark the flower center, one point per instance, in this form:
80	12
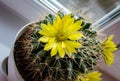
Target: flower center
61	37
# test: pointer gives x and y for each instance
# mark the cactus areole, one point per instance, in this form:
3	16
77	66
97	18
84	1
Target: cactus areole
61	48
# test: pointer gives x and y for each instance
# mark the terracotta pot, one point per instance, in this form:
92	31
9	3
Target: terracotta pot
13	73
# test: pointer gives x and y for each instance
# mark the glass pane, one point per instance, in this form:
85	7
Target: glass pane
94	9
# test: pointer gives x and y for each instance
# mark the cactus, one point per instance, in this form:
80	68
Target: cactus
40	66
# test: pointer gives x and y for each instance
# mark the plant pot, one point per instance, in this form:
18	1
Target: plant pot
13	73
18	73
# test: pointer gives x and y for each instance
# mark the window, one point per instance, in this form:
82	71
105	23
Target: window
100	12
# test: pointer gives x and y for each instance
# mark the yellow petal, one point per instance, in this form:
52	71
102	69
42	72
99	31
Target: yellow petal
94	76
76	26
63	45
109	47
57	24
54	50
47	30
58	18
47	46
43	33
46	27
69	49
47	33
75	36
109	58
50	44
96	73
67	20
67	17
52	40
73	44
43	26
44	39
60	50
79	22
110	37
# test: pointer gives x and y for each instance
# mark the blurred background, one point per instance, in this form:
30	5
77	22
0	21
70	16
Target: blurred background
104	14
94	8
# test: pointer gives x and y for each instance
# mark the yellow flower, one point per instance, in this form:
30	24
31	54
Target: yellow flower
93	76
61	36
108	47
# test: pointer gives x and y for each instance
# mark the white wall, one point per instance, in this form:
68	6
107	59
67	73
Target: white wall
9	26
